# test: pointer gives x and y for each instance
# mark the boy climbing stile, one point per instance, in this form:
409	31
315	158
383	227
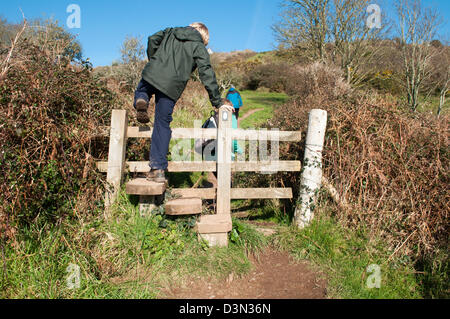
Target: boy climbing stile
173	54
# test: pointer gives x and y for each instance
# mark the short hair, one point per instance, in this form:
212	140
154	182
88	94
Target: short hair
200	27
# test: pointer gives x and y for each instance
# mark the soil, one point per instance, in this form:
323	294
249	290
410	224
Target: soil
275	275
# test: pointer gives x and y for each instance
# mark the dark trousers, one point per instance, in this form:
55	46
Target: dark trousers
236	113
161	127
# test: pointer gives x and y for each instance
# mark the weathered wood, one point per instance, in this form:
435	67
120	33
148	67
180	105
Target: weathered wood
116	156
177	133
260	193
215	240
176	167
251	135
146	204
237	134
141	186
312	172
236	193
203	193
210	224
184	206
223	152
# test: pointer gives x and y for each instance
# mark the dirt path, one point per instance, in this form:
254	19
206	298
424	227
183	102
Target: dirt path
248	114
275	275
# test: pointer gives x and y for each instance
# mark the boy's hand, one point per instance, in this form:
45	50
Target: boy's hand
227	107
225	103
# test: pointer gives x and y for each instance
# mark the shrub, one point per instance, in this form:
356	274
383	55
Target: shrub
49	113
392	166
316	79
273	76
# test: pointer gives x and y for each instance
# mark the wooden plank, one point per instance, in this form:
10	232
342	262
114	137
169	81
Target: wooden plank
279	166
261	193
203	193
177	133
237	134
184	206
174	167
116	156
141	186
223	152
282	136
215	239
210	224
236	193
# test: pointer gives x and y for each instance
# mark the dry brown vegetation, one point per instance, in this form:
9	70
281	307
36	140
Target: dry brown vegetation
389	164
50	112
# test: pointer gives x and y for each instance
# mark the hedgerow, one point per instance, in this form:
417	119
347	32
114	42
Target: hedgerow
50	112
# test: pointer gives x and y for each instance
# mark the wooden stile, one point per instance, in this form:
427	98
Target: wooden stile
213	228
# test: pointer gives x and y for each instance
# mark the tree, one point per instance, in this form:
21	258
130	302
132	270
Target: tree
55	40
417	27
355	42
440	78
304	22
132	59
314	24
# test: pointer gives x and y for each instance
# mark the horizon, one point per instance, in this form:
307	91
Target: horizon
247	25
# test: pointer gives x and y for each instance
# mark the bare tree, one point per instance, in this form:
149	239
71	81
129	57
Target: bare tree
6	63
355	42
341	23
304	22
132	58
417	27
442	68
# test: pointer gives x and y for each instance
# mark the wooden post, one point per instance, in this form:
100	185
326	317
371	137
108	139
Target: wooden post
224	162
116	156
214	228
312	168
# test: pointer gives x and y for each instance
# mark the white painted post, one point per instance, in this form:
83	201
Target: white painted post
116	157
312	168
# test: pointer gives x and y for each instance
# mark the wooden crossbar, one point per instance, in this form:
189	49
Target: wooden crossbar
236	193
194	133
177	167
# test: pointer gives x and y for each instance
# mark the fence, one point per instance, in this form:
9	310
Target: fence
117	166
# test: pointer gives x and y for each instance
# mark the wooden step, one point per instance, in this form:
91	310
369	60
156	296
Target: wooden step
213	224
184	206
141	186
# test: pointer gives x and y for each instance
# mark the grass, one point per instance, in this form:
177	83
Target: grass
259	100
133	256
344	256
127	256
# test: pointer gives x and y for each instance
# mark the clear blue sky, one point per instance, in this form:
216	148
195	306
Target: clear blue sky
233	25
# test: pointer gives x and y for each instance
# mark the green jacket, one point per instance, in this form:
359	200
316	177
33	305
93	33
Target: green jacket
173	55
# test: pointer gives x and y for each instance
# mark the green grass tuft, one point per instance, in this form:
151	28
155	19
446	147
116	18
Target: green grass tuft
344	256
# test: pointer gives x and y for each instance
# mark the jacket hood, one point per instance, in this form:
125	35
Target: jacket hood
187	34
232	89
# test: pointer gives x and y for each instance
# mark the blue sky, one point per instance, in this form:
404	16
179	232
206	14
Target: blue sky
233	24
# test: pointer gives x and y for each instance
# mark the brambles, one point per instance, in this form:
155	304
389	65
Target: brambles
390	164
50	111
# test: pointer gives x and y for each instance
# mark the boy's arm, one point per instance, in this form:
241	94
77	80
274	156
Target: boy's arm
240	100
154	41
207	75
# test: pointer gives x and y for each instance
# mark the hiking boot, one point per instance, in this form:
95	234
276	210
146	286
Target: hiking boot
156	175
141	108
